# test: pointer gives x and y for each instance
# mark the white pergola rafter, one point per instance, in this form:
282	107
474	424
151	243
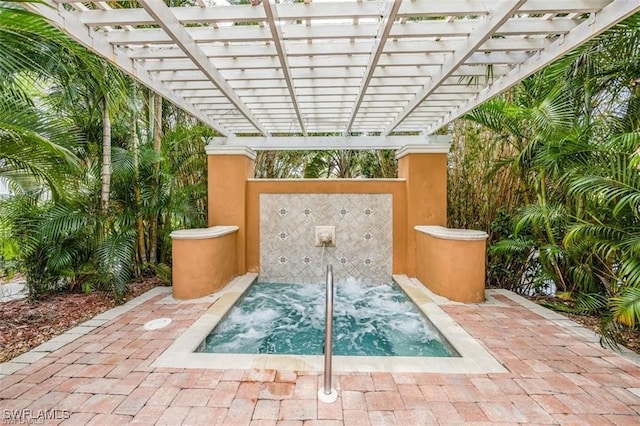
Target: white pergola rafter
498	16
160	11
388	17
272	19
344	67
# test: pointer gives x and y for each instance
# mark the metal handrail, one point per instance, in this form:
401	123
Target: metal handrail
328	338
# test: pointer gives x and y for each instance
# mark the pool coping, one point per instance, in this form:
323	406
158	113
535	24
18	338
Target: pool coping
473	359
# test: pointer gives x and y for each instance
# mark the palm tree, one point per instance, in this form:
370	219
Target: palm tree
60	241
609	185
536	121
36	146
90	91
612	185
575	130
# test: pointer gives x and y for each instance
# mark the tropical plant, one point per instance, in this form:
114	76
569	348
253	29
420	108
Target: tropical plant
61	246
573	130
326	164
51	225
36	146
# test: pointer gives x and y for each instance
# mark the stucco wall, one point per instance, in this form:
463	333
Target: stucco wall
426	176
227	175
452	268
202	266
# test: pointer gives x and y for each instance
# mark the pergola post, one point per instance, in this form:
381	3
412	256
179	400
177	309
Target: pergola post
228	171
424	167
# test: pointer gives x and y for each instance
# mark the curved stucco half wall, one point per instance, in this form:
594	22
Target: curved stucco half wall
451	262
203	260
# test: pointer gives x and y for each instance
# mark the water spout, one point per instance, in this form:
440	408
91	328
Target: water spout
326	239
325	236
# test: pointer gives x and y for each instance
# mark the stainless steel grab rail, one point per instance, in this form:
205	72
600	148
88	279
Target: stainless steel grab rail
328	337
328	394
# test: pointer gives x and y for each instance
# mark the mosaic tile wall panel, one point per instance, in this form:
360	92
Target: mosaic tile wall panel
363	237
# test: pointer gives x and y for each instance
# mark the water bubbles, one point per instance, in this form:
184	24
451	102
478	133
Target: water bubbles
289	319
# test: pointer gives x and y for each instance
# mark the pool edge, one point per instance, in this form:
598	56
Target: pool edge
474	359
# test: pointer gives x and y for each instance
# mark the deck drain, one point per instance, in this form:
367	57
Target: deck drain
157	323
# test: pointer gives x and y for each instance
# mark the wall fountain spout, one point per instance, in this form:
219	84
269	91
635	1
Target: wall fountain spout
325	236
326	239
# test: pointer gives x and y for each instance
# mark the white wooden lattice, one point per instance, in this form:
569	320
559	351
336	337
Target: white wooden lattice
375	68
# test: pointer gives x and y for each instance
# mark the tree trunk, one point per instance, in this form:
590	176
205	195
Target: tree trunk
157	138
151	121
106	155
141	242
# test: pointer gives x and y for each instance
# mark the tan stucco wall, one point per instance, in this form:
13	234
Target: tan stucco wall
426	176
202	266
450	268
227	187
419	198
396	187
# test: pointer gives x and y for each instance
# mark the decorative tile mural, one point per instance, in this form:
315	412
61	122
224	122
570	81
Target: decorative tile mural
363	237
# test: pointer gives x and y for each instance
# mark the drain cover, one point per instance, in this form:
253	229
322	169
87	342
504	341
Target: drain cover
157	323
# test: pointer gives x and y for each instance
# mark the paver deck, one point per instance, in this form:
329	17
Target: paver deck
102	375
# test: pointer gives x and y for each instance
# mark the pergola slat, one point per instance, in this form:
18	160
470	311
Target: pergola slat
485	29
272	17
386	25
339	66
180	36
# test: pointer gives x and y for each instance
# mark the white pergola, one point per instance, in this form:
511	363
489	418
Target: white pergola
276	75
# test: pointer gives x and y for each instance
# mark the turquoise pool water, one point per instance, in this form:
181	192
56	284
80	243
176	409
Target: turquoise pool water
369	320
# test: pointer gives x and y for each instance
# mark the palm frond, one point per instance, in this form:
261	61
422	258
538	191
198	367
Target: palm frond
626	306
589	303
514	245
115	254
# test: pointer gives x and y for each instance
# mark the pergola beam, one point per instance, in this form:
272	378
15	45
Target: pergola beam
161	13
609	16
333	142
386	24
276	32
485	30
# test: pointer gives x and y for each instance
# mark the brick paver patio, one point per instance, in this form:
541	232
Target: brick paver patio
557	375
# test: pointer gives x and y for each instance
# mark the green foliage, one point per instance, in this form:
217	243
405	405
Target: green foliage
326	164
163	271
53	229
480	188
574	135
66	243
36	145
